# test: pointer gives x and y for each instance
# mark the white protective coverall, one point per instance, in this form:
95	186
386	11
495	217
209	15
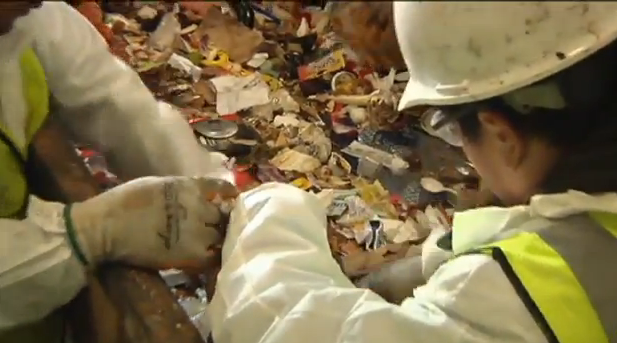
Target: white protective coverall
279	283
104	103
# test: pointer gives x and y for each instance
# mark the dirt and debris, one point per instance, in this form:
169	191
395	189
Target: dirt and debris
307	111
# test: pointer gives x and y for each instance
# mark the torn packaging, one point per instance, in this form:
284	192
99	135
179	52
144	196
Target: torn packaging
288	123
368	27
229	35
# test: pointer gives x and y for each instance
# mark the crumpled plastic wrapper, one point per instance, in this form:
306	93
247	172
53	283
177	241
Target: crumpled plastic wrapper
309	105
292	160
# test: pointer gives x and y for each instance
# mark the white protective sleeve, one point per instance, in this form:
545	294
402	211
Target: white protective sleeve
432	255
38	271
104	102
280	284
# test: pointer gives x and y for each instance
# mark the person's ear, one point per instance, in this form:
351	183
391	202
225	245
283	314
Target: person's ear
506	141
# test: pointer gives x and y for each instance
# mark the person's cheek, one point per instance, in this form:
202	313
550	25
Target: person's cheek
483	163
471	152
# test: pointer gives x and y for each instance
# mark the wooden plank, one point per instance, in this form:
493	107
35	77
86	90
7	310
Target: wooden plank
121	304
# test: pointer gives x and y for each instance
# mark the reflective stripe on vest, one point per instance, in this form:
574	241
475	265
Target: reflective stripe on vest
563	275
13	183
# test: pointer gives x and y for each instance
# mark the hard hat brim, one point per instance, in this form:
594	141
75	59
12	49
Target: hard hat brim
432	84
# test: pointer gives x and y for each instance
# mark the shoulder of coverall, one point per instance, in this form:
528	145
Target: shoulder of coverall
563	263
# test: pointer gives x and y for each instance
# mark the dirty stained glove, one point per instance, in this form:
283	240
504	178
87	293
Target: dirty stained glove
154	222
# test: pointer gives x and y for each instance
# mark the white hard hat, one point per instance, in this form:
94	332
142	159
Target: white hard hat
460	52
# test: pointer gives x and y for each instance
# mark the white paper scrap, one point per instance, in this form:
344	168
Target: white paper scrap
236	93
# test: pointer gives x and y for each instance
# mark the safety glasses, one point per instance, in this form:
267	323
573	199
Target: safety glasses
441	122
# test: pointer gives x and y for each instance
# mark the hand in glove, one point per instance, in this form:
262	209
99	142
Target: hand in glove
155	222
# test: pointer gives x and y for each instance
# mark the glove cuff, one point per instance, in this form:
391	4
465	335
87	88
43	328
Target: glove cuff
72	235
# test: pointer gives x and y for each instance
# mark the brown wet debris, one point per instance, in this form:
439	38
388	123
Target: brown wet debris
299	96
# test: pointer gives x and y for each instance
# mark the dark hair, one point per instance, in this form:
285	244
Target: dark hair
588	88
585	130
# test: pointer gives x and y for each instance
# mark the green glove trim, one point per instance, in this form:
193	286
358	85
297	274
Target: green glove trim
70	231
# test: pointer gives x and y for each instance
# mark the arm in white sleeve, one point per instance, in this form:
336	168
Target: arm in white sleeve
279	284
104	102
432	255
38	271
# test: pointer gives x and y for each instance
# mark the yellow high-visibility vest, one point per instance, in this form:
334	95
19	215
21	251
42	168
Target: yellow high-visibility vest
13	156
563	274
14	185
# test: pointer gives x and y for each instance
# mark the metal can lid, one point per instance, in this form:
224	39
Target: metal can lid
341	78
216	128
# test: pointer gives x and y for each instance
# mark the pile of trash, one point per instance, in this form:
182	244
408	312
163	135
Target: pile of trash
272	87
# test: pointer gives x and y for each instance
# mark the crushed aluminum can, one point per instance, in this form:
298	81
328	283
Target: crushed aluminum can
216	133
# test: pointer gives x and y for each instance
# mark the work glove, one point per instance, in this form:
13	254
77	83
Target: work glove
154	222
